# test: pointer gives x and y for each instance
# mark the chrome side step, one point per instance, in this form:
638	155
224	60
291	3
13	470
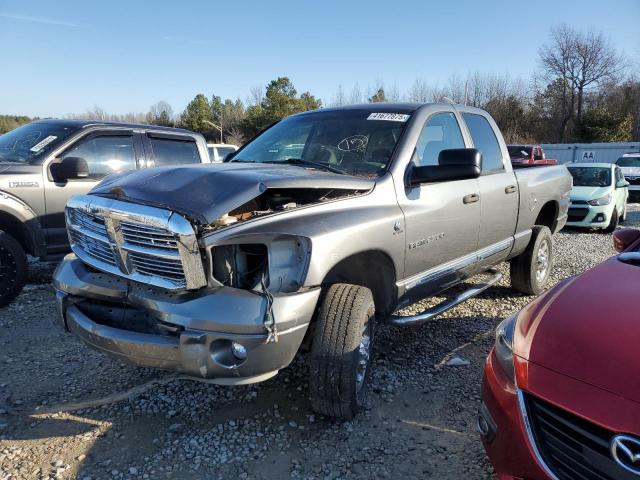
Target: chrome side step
445	305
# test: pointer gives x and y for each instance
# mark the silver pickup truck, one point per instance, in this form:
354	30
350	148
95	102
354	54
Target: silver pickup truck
322	226
46	162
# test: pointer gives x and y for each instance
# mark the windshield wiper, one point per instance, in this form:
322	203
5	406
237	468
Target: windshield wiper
309	163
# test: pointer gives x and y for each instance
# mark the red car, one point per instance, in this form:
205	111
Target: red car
561	388
529	155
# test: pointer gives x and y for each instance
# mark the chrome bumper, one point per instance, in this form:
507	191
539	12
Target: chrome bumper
203	325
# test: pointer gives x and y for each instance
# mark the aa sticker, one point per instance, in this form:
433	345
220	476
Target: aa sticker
390	117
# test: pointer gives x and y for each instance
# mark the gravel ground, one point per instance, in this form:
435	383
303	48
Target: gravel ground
419	422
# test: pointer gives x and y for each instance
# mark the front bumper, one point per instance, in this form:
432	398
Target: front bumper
507	443
594	217
192	332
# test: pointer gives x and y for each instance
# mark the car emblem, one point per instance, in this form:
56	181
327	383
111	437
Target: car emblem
625	450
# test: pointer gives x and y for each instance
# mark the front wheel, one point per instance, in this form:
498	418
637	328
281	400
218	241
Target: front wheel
613	224
531	269
341	351
13	268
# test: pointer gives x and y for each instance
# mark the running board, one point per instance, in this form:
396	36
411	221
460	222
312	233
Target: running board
445	305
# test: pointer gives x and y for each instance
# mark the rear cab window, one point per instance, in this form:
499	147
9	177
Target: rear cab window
485	140
173	151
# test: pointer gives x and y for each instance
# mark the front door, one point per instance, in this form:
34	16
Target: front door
441	218
105	153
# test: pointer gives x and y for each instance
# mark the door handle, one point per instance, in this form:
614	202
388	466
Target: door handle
511	189
471	198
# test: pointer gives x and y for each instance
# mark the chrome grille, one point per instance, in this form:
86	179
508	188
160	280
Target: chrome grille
98	249
145	244
148	236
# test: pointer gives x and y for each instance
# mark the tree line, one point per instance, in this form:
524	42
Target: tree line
583	90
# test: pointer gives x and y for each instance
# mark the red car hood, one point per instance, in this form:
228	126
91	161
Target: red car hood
588	328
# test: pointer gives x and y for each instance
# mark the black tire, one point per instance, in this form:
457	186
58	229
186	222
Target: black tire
13	268
341	351
613	224
623	216
525	273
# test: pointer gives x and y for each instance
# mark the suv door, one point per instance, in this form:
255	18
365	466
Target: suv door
498	189
441	218
165	149
105	152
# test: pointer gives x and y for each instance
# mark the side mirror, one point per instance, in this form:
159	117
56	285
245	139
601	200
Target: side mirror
624	238
453	164
69	168
622	184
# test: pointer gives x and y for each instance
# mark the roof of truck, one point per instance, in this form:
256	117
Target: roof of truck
90	123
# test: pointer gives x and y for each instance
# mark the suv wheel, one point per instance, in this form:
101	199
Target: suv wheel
13	268
341	351
531	269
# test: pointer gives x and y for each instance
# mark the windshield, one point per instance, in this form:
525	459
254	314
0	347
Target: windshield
590	176
628	162
519	151
354	142
31	142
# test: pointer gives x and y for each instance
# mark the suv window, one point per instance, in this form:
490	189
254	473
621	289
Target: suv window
173	152
441	132
484	139
105	154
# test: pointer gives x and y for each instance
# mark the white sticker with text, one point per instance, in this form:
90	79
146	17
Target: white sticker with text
390	117
40	145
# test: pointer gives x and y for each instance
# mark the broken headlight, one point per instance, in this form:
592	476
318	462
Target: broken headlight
279	261
504	345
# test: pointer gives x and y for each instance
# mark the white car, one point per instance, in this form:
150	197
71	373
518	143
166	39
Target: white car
217	151
629	163
598	197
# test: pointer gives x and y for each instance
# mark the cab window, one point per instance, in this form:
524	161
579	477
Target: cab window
173	152
484	139
441	132
105	154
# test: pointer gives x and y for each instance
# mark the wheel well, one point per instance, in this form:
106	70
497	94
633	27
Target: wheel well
17	230
548	216
372	269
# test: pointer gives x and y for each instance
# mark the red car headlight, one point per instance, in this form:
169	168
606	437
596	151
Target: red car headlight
504	345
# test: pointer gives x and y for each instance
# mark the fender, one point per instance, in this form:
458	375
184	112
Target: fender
24	215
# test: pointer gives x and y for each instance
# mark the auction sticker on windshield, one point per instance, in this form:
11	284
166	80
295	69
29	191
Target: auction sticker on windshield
390	117
40	145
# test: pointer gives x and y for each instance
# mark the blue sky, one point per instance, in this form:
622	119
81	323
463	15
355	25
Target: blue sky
61	56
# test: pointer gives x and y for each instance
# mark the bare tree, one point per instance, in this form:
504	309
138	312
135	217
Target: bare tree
356	94
393	94
576	62
339	98
256	95
419	92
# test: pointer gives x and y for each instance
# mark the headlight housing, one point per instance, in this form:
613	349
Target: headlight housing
280	260
504	345
606	200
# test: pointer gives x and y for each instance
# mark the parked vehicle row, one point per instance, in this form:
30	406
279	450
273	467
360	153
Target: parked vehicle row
231	269
323	226
218	151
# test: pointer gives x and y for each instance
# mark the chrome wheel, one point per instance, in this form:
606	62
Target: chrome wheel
542	262
364	356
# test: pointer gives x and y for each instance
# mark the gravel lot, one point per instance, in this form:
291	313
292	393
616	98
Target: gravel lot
420	421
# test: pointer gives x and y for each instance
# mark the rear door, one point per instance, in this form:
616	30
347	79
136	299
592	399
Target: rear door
106	152
442	218
498	191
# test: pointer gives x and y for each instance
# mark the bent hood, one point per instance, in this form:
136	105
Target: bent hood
588	328
204	193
